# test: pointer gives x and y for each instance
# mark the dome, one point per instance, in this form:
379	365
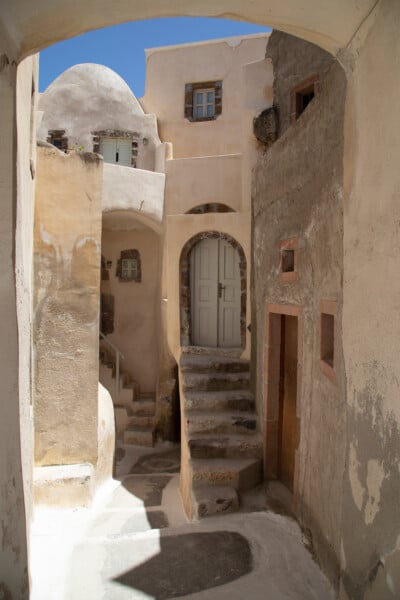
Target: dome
91	88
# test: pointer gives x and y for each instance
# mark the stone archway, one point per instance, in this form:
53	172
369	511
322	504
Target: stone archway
184	278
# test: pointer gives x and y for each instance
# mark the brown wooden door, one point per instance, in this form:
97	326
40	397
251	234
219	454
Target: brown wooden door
288	421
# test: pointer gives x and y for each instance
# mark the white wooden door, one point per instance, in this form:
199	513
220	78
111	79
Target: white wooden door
228	296
117	151
215	294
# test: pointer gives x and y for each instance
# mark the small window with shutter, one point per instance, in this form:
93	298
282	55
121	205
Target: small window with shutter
203	100
129	266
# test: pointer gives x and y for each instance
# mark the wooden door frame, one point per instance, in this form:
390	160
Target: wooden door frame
185	293
272	362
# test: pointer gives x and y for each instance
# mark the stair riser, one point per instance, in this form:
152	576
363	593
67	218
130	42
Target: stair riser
141	421
214	366
209	405
232	426
223	504
204	383
200	449
136	439
240	481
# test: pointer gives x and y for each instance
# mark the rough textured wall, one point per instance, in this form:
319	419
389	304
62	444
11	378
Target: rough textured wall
15	300
371	318
297	192
294	60
66	306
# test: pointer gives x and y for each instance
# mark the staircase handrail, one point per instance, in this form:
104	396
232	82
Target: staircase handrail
118	354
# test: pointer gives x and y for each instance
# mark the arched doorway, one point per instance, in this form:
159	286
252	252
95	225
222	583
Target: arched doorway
213	291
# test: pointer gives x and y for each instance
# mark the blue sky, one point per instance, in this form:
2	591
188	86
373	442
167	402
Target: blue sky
122	47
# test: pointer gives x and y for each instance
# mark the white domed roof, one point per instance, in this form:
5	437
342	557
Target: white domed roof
90	86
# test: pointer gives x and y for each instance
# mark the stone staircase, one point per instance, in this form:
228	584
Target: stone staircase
135	413
222	445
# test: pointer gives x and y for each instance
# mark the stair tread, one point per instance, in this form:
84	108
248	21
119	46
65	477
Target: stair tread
221	415
139	428
248	394
226	437
221	464
214	362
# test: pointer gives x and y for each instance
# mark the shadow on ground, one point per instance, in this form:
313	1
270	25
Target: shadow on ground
190	563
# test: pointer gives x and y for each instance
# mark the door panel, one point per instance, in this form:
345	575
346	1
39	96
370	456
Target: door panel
229	300
215	294
204	292
289	422
116	151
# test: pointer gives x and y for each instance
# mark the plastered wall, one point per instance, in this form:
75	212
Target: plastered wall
136	304
370	547
67	248
167	72
298	193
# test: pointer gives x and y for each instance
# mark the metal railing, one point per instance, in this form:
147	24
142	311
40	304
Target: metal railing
118	355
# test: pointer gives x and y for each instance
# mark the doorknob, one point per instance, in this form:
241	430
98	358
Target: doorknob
220	288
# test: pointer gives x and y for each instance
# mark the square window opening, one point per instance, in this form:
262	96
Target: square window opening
287	262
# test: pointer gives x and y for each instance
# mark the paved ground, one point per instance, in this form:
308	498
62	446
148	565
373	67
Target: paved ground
136	543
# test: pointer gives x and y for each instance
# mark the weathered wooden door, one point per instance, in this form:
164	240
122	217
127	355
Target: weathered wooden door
289	422
215	294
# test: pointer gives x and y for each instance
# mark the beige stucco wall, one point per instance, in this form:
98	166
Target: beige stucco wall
209	61
371	319
66	307
136	304
135	190
16	210
194	181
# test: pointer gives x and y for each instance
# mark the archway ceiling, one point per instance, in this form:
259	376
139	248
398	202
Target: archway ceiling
36	24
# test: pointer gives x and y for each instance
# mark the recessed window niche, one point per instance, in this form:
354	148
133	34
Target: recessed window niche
129	266
327	338
288	260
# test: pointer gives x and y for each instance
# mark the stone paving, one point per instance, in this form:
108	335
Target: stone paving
136	543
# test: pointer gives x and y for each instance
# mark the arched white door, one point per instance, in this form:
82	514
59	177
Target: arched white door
215	294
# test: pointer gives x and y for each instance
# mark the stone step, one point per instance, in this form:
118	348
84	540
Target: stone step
143	407
213	500
198	364
240	474
233	446
232	400
141	421
139	436
214	422
215	381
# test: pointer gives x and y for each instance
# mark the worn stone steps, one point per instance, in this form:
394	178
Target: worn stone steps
221	422
232	446
139	436
143	407
240	474
199	364
213	500
214	381
209	401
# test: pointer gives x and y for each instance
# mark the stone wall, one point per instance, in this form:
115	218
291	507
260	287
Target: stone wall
297	198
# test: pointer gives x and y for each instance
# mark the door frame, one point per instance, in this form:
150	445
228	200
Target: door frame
272	361
185	288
